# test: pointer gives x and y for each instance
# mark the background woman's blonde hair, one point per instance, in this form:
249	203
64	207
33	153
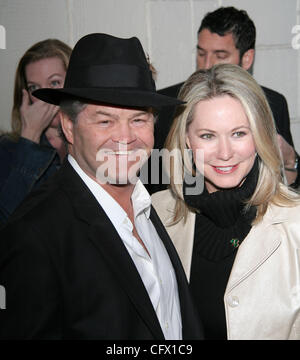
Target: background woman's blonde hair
42	50
234	81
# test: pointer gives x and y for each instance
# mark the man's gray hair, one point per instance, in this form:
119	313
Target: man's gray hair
72	108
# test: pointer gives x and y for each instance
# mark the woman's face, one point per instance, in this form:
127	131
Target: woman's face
45	73
220	128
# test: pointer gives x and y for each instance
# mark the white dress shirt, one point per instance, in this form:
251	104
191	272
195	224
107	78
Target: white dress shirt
156	270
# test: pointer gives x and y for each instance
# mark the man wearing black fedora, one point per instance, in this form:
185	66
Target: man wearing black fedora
86	256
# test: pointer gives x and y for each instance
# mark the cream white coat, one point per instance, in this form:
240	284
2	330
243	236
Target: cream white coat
262	298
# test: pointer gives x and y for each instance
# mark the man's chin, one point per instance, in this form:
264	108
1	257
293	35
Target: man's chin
119	180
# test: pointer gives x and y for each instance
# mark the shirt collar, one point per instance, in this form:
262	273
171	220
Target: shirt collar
140	197
141	200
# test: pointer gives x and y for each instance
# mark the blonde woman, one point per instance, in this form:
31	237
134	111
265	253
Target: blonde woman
239	238
33	150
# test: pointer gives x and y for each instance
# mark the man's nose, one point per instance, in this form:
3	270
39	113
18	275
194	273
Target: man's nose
208	63
124	134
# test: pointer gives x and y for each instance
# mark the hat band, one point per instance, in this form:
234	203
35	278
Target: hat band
115	75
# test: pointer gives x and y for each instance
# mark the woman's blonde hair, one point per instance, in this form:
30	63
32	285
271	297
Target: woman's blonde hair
234	81
42	50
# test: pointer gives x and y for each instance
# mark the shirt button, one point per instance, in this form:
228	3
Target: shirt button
233	301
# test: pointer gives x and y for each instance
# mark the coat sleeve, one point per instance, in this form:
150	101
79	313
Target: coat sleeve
22	167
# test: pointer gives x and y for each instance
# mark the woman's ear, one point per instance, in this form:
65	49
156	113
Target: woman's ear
67	127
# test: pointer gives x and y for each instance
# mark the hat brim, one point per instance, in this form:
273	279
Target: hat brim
123	97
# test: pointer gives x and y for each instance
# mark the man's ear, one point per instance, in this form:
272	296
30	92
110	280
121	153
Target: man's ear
67	127
247	59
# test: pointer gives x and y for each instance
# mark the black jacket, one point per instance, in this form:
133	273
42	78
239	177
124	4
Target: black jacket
68	275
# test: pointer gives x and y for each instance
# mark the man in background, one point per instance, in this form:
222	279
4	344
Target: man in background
228	35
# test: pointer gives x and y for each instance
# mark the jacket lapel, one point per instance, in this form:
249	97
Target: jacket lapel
112	249
118	259
191	329
261	243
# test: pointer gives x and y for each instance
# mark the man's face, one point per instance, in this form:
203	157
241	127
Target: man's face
110	143
213	49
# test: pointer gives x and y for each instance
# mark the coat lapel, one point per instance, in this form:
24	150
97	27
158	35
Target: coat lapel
261	243
191	329
181	233
111	248
118	259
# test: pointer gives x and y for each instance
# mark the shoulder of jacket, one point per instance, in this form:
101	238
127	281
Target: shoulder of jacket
163	199
7	142
164	203
287	221
282	214
273	94
172	90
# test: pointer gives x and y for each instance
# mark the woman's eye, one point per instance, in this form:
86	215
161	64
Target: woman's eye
239	134
206	136
55	83
32	88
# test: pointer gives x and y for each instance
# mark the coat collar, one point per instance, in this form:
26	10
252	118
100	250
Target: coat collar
109	245
262	242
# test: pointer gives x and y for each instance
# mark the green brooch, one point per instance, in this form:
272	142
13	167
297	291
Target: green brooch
235	242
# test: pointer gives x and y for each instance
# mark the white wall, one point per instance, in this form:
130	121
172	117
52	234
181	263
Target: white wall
167	30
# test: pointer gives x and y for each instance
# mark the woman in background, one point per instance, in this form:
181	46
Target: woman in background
34	150
239	238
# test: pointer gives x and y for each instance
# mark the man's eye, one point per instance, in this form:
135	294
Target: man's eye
222	57
104	123
139	121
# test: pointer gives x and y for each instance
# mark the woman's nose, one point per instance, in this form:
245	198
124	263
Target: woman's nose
225	150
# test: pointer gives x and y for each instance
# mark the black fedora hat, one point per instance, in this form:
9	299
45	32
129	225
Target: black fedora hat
111	70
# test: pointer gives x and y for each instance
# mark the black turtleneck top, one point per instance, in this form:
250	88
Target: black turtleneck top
221	225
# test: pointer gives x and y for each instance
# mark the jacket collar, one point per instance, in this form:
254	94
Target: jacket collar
262	242
276	215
